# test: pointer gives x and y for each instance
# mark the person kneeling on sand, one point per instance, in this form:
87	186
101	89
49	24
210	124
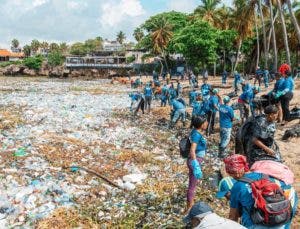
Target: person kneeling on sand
201	216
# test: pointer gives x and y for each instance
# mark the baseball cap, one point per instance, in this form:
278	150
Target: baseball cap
225	186
215	91
226	99
197	209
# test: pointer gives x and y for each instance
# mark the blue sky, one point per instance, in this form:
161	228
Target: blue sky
77	20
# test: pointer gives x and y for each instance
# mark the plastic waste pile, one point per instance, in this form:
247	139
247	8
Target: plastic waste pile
50	124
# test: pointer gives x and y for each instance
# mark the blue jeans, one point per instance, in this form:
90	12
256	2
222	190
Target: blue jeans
177	114
225	134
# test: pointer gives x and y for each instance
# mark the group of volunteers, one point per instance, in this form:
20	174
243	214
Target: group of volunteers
259	186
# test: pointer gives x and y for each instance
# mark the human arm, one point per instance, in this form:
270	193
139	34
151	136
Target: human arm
193	151
261	145
234	214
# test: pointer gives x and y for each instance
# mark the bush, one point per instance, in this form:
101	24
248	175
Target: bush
34	62
55	58
7	63
130	59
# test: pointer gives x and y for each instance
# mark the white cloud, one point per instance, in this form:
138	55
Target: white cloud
114	12
39	2
182	6
73	5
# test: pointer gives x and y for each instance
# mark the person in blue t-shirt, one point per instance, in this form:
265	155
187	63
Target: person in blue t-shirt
278	86
224	77
226	117
148	93
285	95
266	78
196	156
164	95
245	102
179	89
135	97
172	93
192	97
214	102
241	199
205	89
200	108
237	81
178	111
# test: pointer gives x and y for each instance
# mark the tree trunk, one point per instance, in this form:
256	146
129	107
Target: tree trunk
264	34
257	40
286	43
294	20
162	67
270	32
165	59
237	55
215	69
273	37
224	56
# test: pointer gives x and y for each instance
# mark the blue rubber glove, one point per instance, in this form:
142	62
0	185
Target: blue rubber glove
278	94
196	169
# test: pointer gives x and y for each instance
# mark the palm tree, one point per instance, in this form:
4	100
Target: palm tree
53	47
121	37
27	50
138	34
207	11
273	35
285	37
45	46
244	20
15	43
257	40
294	19
35	45
161	36
264	32
63	47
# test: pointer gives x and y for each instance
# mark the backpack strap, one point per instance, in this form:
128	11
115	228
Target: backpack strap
246	180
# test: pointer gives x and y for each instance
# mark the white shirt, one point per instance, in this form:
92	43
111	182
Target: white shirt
213	221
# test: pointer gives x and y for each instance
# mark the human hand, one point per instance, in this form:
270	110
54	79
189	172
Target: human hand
270	151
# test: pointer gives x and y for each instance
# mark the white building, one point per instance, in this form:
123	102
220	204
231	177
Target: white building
113	46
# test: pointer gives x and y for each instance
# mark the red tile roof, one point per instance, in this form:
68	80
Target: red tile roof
5	53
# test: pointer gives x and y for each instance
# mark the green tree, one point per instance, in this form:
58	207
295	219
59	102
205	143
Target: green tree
121	37
55	58
35	45
138	34
78	49
161	36
63	47
197	42
45	46
208	11
34	62
15	43
27	50
53	47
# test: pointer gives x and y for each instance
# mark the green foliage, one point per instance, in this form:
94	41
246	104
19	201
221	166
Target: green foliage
27	50
79	49
138	34
15	43
121	37
55	58
197	42
130	59
7	63
226	39
35	44
34	62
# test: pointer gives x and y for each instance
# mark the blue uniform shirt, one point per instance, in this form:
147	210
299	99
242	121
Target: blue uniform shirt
279	85
288	84
213	101
197	138
247	96
148	91
226	116
165	90
177	105
237	78
205	88
241	197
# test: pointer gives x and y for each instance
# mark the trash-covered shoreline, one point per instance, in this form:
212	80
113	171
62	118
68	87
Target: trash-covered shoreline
53	130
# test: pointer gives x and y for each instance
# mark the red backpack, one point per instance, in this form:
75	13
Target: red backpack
271	207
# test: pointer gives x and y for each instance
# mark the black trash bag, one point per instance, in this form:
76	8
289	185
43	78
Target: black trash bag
292	133
294	114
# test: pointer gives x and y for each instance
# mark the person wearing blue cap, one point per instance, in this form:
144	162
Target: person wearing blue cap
226	114
202	216
205	89
237	81
148	93
225	186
